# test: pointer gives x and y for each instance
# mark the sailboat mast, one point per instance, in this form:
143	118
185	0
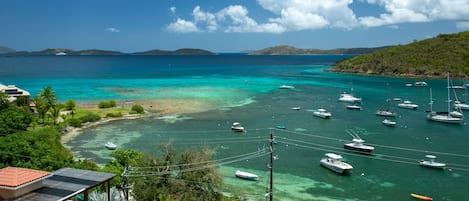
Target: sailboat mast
431	101
449	107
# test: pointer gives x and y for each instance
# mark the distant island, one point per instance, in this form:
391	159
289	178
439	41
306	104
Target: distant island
63	51
287	50
183	51
427	58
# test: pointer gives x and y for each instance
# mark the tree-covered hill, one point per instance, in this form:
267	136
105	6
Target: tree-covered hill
285	49
427	58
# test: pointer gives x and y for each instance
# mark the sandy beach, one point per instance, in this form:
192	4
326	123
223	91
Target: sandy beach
154	107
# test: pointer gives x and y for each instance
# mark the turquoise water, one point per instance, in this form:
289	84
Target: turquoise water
246	90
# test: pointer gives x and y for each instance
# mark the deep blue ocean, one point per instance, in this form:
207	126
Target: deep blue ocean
229	88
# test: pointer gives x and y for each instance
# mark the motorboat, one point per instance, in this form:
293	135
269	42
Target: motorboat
237	127
460	105
388	122
322	113
349	98
420	84
408	105
280	127
334	162
246	175
286	87
354	107
408	84
110	145
450	117
296	108
385	113
430	162
357	145
420	197
396	99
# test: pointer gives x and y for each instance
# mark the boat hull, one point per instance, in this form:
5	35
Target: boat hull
421	197
246	175
334	168
358	149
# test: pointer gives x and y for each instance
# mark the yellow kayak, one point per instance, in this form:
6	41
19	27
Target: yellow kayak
421	197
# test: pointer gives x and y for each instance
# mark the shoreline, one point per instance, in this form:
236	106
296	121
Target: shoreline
152	107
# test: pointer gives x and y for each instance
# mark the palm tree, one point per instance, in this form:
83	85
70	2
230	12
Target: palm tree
41	107
48	96
55	112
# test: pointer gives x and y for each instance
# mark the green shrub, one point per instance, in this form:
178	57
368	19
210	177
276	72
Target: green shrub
116	114
90	118
75	123
137	109
107	104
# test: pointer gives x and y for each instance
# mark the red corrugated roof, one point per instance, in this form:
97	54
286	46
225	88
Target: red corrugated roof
15	176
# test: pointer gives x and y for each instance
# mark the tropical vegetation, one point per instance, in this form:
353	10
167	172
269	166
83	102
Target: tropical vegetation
33	140
427	58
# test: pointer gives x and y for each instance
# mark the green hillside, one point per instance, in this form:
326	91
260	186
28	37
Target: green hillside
427	58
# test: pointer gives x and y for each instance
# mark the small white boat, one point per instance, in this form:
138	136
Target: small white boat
286	87
408	105
354	107
430	162
334	162
322	113
420	84
349	98
460	105
295	108
408	85
388	122
445	117
385	113
357	145
396	99
110	145
237	127
246	175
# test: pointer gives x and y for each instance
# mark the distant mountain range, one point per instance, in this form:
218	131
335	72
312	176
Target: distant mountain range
4	50
285	49
277	50
63	51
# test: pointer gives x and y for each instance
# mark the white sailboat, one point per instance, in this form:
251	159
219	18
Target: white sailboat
443	117
386	112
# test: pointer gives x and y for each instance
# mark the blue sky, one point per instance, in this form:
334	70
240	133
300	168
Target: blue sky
225	26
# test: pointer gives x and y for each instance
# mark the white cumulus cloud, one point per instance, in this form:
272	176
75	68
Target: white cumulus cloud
298	15
113	30
409	11
183	26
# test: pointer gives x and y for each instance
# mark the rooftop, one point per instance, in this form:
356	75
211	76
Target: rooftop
15	176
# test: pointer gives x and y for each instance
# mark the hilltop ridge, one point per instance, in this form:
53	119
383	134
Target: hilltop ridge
286	49
427	58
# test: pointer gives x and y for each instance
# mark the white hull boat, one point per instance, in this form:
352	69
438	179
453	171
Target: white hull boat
333	162
349	98
110	146
462	106
357	145
286	87
430	162
237	127
449	117
246	175
322	113
408	105
388	122
385	113
354	107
